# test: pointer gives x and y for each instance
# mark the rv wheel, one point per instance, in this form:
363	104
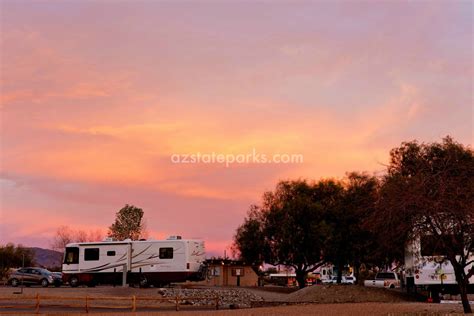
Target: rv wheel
74	282
143	282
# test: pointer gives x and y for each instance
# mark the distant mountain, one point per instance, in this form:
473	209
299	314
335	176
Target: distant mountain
47	258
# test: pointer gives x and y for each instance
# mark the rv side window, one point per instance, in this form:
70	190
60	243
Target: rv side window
166	253
91	254
111	253
72	255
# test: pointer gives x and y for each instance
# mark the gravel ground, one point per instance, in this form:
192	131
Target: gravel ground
228	298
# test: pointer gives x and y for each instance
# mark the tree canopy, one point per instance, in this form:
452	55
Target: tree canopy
428	189
128	224
12	256
289	227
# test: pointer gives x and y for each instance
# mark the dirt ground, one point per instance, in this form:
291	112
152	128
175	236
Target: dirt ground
334	294
350	309
330	300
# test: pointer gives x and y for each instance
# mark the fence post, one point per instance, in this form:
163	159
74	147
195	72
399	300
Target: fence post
87	304
177	303
217	302
37	306
134	303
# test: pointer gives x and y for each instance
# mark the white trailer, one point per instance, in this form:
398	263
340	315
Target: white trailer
427	269
143	262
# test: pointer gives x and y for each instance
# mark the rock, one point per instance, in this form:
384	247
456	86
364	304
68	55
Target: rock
228	298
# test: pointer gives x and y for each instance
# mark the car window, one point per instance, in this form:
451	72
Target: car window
386	275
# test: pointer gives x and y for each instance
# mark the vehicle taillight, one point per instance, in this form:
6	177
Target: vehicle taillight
417	276
188	265
417	271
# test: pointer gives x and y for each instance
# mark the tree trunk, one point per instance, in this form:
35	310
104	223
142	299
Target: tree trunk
357	272
340	266
464	298
301	278
463	282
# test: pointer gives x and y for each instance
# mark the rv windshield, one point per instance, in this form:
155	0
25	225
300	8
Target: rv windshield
71	255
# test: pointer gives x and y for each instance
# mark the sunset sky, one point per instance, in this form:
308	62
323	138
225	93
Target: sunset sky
97	95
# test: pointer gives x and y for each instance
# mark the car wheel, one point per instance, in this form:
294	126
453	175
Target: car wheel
44	283
74	282
15	282
392	286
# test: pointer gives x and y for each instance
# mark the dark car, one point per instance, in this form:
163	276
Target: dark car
29	276
57	278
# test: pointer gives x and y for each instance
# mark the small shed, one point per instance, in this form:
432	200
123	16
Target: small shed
227	272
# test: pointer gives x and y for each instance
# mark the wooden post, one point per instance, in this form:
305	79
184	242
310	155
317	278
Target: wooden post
177	303
217	302
37	307
87	304
134	303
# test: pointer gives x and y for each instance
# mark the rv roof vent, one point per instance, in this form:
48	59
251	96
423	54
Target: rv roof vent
108	239
174	237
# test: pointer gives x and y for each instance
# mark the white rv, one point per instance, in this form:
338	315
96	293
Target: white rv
426	268
145	262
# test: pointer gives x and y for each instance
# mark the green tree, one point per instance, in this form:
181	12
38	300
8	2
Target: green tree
249	241
429	190
350	241
128	224
290	226
12	256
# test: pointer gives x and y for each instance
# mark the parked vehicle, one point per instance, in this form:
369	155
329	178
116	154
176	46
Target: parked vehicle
350	280
57	278
30	276
143	262
427	268
344	280
386	279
